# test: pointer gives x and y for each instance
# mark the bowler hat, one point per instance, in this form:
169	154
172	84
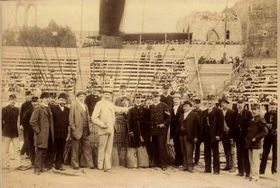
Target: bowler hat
81	93
188	102
45	95
12	96
223	99
63	96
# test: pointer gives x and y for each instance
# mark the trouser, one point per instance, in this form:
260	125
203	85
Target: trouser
81	148
159	150
242	157
187	149
25	146
227	150
147	142
55	153
267	144
211	148
105	148
31	146
40	158
254	159
197	152
178	152
6	148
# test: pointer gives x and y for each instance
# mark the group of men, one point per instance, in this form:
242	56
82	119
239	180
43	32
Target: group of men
153	121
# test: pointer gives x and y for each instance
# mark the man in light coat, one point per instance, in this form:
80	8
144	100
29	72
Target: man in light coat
79	121
104	117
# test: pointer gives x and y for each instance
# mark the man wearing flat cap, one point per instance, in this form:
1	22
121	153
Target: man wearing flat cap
188	135
10	115
243	117
159	122
103	117
227	137
61	128
270	140
80	126
41	122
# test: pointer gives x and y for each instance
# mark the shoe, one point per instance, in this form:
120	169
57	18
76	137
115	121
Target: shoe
240	174
232	170
207	171
92	167
106	170
181	168
274	172
44	170
60	169
216	173
190	170
163	168
226	168
76	168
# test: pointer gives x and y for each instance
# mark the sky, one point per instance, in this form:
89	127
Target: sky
139	15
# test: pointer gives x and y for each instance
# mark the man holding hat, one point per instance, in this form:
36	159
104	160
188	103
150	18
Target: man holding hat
41	122
61	126
176	113
270	141
9	129
104	117
188	135
243	118
159	120
227	137
80	126
256	132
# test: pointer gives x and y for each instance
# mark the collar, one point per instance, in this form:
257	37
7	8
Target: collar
44	105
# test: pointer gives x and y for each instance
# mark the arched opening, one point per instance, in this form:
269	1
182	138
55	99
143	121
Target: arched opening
212	36
227	35
31	15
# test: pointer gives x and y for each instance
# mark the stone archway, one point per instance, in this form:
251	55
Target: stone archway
212	36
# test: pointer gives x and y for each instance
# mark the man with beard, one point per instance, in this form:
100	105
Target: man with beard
79	121
92	99
104	117
159	122
243	118
61	128
270	141
213	133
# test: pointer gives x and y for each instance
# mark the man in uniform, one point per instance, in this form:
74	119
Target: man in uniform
160	120
214	131
9	129
24	108
270	140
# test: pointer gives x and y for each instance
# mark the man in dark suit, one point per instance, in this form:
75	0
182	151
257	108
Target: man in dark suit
9	129
243	118
196	109
270	140
176	113
213	133
30	132
159	121
189	130
61	126
165	97
227	137
24	108
79	121
138	128
92	99
42	124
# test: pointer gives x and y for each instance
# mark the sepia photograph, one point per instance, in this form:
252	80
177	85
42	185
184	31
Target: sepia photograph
139	93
